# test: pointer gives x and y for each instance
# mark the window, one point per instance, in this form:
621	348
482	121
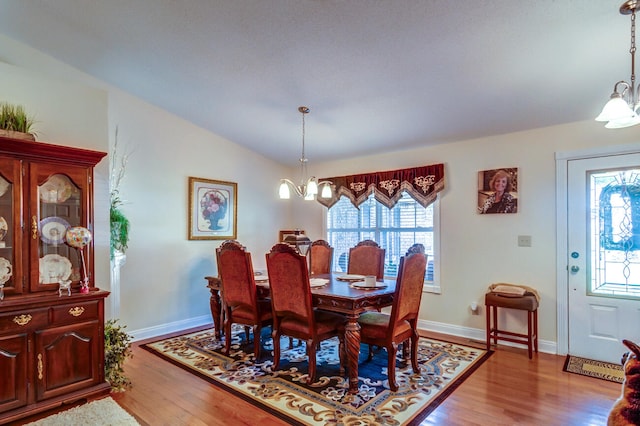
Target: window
394	229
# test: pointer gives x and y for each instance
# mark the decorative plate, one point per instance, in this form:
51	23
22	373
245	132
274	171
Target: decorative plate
6	269
78	237
364	286
4	185
4	228
56	190
53	229
318	282
350	277
54	268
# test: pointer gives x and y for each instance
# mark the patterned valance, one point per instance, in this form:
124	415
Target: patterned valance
421	183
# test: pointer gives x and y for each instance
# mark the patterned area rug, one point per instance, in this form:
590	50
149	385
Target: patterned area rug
285	393
599	369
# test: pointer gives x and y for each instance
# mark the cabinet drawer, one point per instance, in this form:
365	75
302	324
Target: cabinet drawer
75	312
21	320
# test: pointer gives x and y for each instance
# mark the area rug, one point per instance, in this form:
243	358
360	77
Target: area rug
599	369
102	412
285	393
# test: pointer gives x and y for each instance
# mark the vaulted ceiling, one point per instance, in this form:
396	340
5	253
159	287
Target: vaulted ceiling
378	75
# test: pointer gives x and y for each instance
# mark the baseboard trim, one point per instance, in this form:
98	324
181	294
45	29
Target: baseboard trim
172	327
477	334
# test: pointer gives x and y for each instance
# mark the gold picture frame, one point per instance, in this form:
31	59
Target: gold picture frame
213	209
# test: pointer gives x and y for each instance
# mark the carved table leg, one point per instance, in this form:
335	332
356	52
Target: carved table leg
352	348
216	311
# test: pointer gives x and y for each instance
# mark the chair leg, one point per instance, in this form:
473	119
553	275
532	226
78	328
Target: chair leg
342	353
414	354
256	341
311	353
391	366
246	333
276	349
488	315
370	356
227	334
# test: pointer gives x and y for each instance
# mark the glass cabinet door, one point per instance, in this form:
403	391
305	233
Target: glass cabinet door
10	227
59	201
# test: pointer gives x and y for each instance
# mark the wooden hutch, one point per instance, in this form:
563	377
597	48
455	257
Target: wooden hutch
51	342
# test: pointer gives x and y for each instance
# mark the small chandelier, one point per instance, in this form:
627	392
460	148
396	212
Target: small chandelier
622	108
308	187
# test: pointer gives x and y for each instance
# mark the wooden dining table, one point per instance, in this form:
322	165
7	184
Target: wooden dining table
337	296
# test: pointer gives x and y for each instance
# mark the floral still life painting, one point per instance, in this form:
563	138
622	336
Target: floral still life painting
212	209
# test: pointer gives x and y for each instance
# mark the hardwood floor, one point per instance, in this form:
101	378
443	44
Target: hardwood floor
508	389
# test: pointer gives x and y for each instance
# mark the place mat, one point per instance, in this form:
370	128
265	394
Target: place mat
285	394
592	368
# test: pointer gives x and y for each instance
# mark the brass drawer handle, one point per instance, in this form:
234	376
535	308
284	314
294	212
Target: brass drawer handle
34	227
77	311
22	319
40	367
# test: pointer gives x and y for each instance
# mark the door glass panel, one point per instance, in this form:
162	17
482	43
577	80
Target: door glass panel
615	233
60	208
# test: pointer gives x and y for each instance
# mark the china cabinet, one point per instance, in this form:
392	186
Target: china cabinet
51	341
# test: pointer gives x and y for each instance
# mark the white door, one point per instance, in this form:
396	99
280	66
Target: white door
603	255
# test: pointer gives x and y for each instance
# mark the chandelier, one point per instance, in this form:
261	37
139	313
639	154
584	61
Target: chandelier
308	187
622	108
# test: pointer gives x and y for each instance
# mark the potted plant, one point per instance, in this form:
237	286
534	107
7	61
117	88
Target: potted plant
117	348
119	223
15	123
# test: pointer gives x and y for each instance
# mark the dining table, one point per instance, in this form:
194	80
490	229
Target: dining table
340	294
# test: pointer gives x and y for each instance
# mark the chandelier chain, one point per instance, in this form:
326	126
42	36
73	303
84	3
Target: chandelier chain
632	50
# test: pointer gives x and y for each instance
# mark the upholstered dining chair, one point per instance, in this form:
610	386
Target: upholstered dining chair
239	294
292	305
320	257
366	258
401	324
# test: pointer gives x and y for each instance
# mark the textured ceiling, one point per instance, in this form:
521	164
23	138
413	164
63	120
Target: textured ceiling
378	75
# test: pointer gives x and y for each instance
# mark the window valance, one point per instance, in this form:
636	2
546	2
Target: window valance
421	183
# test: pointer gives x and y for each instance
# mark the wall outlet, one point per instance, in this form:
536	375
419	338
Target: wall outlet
524	240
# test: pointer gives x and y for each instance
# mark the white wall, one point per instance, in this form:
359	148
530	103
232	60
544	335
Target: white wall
477	250
162	281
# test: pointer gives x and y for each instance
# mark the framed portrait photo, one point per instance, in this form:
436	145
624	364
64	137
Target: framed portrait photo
213	210
498	191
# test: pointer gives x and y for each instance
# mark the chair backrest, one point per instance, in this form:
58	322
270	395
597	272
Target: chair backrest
406	300
320	257
289	284
235	271
366	258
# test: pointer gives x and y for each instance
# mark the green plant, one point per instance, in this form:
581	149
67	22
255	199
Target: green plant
119	226
117	348
15	118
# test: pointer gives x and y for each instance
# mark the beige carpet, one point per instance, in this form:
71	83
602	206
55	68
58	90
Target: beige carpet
103	412
592	368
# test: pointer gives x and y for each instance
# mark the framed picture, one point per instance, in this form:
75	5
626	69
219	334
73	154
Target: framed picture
284	232
498	191
213	210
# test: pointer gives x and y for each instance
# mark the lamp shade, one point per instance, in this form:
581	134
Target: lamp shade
284	192
623	122
616	109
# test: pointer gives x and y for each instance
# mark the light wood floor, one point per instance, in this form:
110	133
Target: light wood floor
508	389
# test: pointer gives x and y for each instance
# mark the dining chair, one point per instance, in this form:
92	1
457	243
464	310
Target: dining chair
240	300
401	324
292	305
366	258
320	257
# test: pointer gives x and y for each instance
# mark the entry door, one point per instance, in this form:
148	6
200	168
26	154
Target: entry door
604	255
